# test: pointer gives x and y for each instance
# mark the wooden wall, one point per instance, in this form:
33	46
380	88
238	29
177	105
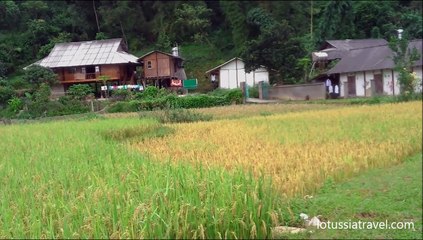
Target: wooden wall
113	71
161	65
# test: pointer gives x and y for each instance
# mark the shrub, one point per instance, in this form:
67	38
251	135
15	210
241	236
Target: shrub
116	107
232	95
42	95
122	94
253	92
181	116
79	91
5	94
19	83
36	74
15	104
56	108
152	92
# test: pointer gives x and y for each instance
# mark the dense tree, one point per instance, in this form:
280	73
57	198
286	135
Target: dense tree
336	21
278	34
274	46
236	18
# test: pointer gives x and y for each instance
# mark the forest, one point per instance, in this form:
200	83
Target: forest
277	34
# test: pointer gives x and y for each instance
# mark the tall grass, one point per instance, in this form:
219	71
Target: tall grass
65	180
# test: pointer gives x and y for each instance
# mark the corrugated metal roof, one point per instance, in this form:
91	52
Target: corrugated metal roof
97	52
371	58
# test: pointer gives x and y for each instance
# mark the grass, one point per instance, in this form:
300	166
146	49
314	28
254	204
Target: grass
238	111
393	194
82	178
66	179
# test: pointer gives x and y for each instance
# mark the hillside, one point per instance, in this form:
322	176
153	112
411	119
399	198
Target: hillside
279	35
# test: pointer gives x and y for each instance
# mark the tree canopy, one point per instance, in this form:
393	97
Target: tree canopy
276	34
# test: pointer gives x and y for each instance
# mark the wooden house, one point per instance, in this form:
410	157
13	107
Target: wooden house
90	62
230	74
162	69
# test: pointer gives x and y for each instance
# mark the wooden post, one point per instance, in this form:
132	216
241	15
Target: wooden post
242	84
260	89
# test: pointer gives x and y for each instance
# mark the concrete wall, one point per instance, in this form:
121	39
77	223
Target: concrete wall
298	91
233	73
390	84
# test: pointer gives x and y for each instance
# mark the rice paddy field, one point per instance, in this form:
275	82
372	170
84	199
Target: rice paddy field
126	177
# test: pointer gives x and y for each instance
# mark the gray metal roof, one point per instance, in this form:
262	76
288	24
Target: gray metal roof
109	51
372	58
336	49
349	44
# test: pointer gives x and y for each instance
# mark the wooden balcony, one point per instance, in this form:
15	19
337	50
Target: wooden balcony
86	78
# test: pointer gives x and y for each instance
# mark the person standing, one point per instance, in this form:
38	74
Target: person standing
336	90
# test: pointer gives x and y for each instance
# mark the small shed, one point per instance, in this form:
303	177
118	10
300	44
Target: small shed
230	74
161	68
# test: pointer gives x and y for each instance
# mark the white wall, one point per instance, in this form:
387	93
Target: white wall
388	89
229	78
419	75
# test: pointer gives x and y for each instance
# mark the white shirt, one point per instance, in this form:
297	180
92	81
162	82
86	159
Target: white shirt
330	89
336	89
328	82
213	78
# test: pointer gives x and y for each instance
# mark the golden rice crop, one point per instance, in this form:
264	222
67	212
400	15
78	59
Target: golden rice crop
299	151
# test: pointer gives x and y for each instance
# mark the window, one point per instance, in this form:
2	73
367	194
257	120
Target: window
83	70
97	69
72	70
149	65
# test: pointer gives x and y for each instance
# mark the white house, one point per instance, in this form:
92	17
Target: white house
363	68
230	74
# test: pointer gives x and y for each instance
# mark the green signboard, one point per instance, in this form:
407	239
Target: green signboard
190	83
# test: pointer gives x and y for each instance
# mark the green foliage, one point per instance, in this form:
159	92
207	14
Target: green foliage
152	100
192	21
15	104
235	15
209	32
37	75
79	91
163	42
42	95
138	133
6	93
152	92
404	59
337	21
181	116
122	94
253	92
272	47
100	36
61	38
